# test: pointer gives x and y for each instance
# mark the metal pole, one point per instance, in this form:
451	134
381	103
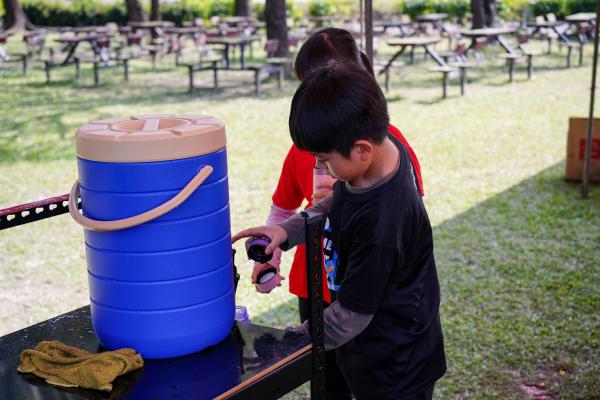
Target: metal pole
585	182
369	28
361	19
313	227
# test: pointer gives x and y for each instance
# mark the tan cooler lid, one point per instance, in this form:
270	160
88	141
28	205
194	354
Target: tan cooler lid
144	138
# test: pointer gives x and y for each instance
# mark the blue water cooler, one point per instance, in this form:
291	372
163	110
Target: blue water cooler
155	204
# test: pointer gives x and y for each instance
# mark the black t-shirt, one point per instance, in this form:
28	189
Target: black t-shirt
382	244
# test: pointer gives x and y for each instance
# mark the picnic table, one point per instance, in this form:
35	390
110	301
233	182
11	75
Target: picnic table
495	33
3	39
72	42
401	24
240	41
237	19
435	19
34	42
581	17
151	24
413	42
551	25
584	22
242	21
253	362
192	31
83	29
320	21
156	28
90	29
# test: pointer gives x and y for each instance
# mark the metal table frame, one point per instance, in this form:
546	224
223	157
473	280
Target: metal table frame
306	364
413	42
71	43
494	33
230	42
553	26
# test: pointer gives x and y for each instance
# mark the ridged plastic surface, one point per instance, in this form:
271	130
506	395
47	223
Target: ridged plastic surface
165	287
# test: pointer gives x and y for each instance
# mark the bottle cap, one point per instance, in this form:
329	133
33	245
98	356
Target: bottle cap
255	249
241	314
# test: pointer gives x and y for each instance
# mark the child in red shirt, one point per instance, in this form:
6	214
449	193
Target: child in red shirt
296	182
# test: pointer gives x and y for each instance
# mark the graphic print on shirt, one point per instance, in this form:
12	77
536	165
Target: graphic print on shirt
330	258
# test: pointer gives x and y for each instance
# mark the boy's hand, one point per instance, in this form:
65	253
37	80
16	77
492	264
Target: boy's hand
259	267
275	233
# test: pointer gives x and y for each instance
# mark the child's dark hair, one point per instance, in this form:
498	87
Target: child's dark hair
335	106
326	45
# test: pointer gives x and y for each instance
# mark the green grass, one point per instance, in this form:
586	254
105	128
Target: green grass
518	250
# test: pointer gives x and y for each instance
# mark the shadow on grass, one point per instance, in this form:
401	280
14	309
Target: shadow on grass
520	282
31	110
395	98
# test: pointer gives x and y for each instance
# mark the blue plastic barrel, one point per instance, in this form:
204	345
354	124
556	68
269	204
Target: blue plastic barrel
165	287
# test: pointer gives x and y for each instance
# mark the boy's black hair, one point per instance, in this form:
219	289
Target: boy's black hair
326	45
335	106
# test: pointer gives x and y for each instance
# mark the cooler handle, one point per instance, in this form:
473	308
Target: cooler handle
105	226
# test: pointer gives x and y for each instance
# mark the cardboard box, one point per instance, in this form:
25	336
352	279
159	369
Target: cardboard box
576	149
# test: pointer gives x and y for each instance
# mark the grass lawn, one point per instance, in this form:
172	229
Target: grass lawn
517	249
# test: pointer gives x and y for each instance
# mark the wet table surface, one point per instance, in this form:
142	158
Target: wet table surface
244	357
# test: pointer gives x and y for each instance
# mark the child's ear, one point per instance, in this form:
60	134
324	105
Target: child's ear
364	149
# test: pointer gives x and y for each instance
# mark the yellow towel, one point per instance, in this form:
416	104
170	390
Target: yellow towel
68	366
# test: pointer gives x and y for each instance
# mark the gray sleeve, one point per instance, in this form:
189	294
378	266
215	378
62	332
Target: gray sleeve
341	325
294	226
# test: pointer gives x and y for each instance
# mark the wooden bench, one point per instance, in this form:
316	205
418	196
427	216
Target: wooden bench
378	67
50	64
515	58
98	64
458	54
205	63
6	58
17	58
574	46
272	66
34	42
445	70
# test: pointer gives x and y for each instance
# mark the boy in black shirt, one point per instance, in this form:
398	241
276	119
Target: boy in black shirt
384	321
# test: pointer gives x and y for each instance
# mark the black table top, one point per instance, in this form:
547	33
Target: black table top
247	353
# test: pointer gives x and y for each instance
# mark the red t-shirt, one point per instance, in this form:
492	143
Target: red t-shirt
296	185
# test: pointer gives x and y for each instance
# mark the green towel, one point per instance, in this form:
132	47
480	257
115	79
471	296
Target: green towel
68	366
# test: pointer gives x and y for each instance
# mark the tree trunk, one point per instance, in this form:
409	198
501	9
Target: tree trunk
14	17
155	10
135	12
489	7
242	8
276	21
478	14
